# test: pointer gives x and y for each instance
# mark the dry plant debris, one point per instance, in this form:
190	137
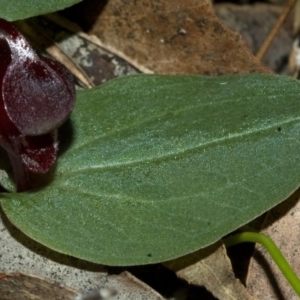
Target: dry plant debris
210	267
23	287
168	37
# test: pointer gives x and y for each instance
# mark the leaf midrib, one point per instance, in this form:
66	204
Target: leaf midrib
186	150
149	120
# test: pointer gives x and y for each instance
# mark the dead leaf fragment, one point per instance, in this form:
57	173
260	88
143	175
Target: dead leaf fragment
210	267
23	287
168	37
127	286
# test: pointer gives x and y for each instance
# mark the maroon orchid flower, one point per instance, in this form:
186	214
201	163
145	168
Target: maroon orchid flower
37	95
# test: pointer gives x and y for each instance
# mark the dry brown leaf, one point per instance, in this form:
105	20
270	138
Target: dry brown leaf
168	36
127	286
210	267
265	281
24	287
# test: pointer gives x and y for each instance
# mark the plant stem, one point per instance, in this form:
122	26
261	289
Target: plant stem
20	173
273	250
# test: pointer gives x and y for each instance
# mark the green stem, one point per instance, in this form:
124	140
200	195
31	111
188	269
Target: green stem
273	250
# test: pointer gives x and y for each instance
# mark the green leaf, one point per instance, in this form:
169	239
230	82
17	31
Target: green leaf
12	10
154	167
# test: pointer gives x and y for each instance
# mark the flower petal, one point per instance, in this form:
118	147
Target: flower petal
38	92
38	153
38	95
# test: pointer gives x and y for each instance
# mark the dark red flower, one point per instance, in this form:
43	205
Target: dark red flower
37	94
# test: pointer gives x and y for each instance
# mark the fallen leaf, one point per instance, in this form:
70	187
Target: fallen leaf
265	281
127	286
210	267
23	287
167	37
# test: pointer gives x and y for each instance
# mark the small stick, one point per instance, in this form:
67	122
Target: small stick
268	41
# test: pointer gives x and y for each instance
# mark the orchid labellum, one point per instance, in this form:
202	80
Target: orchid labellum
37	95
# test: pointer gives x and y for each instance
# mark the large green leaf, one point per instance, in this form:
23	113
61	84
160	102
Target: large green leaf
154	167
12	10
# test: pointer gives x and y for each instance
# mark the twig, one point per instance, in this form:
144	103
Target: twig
268	41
